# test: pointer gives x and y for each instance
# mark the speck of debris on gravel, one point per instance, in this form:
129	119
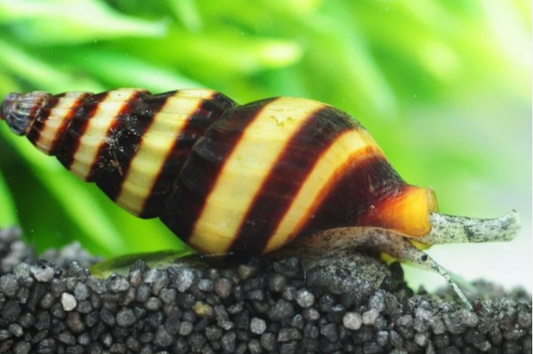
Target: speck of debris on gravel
348	303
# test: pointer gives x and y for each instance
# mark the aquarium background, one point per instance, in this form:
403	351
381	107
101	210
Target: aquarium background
444	87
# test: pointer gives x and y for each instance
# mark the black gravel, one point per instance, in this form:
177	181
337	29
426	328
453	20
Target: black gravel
54	305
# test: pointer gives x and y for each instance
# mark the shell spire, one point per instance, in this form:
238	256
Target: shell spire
20	110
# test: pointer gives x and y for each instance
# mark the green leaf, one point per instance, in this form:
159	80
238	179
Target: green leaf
8	216
123	70
39	73
66	21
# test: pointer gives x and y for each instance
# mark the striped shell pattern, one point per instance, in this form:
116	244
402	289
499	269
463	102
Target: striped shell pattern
225	178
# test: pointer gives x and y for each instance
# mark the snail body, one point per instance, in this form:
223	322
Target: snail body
240	179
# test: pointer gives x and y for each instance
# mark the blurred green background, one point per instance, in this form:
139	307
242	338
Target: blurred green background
443	86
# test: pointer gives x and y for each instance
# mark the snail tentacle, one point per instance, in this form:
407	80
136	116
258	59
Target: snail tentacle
412	254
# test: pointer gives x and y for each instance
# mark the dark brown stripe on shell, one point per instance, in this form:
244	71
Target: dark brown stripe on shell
209	111
360	186
222	100
202	168
42	116
124	139
287	176
70	143
65	122
106	145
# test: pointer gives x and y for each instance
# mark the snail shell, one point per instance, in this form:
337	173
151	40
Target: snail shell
228	178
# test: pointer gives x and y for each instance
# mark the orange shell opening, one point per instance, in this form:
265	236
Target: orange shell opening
407	212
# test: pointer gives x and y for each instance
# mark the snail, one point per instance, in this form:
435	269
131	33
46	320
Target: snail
244	179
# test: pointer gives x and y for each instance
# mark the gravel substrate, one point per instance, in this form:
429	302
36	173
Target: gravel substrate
56	306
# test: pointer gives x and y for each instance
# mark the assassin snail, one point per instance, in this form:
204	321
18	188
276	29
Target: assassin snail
244	179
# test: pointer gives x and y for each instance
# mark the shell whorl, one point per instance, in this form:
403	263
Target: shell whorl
19	110
225	177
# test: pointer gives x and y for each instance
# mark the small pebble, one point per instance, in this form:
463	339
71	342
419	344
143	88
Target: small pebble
421	339
8	284
153	304
43	275
289	293
162	337
205	285
352	320
281	310
75	322
16	330
330	332
21	270
5	334
254	347
305	298
297	321
126	317
81	291
246	271
310	314
268	341
468	318
99	286
524	319
223	287
184	280
185	328
22	348
289	334
202	309
437	325
168	296
118	283
382	338
276	282
68	301
377	301
257	325
228	342
370	316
